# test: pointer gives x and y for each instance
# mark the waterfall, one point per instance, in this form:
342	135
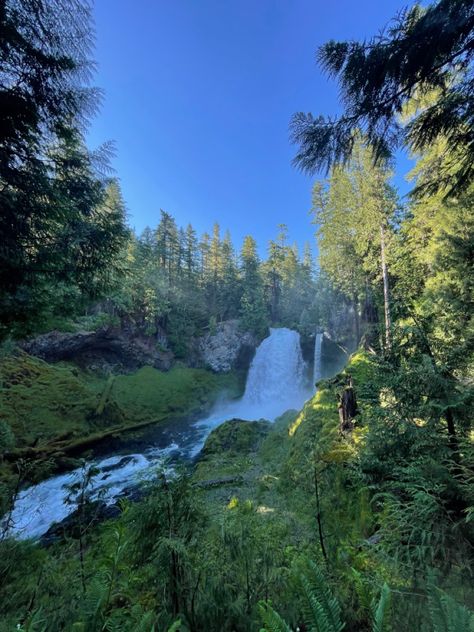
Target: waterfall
318	343
275	383
275	380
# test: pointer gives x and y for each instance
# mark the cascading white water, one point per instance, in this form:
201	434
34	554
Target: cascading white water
318	343
276	380
275	383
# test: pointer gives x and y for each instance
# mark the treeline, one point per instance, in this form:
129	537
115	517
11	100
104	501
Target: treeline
66	252
186	284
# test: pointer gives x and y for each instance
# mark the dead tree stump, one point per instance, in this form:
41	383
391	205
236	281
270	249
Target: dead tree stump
347	406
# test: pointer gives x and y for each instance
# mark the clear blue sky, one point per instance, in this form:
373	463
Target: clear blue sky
198	97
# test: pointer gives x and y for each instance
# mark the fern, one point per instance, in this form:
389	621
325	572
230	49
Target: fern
446	614
146	623
36	623
322	611
177	626
381	610
271	619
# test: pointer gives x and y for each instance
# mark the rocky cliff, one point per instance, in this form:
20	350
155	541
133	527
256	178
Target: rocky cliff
126	349
227	347
107	350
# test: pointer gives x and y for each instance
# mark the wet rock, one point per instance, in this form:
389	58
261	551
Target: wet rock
110	349
227	347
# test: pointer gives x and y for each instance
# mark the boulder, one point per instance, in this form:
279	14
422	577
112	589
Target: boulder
227	347
109	349
236	436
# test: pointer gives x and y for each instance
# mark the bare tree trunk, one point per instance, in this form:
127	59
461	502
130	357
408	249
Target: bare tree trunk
386	298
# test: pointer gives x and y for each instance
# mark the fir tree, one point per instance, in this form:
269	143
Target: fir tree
253	314
378	77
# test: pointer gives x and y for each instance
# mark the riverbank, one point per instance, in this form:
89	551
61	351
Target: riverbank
53	413
237	525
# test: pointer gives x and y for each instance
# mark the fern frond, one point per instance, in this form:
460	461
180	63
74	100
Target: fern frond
447	615
323	611
178	627
146	623
271	619
381	611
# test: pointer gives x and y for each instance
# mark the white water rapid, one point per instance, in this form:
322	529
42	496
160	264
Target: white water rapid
275	383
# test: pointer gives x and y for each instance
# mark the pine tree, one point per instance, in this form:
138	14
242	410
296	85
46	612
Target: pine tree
230	291
190	252
167	244
55	233
379	76
353	213
204	252
253	316
215	272
273	279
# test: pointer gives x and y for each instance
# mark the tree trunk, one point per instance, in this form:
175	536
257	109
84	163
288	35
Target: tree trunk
386	298
453	440
347	406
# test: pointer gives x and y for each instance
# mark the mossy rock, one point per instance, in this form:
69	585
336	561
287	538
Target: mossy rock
284	421
236	436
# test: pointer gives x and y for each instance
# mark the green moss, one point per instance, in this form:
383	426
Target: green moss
41	401
49	410
152	394
236	435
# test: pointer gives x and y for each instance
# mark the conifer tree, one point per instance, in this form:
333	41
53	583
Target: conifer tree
230	291
190	252
353	213
167	244
55	235
379	76
215	275
253	314
204	253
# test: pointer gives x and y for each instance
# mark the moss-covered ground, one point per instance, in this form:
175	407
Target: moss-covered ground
46	408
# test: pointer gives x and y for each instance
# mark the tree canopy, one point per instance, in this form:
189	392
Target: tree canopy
421	51
62	223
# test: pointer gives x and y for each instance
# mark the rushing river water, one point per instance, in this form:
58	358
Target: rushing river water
276	382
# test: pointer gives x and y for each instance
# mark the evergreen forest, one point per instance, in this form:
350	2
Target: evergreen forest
198	434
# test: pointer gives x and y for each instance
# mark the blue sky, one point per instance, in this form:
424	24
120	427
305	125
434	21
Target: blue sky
198	97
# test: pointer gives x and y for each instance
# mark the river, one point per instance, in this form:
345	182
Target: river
277	381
